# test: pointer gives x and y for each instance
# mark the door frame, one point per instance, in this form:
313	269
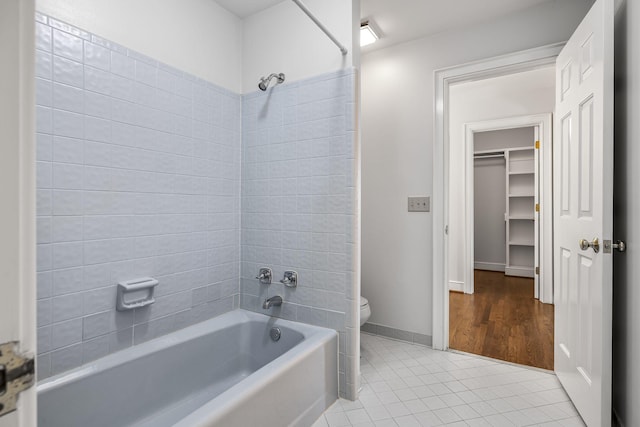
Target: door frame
543	123
18	190
492	67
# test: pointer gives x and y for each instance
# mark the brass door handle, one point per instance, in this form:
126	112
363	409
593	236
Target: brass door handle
595	245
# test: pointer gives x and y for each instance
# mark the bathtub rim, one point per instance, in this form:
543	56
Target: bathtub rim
188	333
215	409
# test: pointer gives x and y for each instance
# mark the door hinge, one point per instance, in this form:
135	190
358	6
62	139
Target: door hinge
537	145
538	270
17	373
619	245
537	207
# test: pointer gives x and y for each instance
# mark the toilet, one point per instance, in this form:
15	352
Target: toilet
365	310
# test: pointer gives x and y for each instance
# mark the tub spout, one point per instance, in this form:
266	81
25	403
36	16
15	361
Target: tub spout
271	302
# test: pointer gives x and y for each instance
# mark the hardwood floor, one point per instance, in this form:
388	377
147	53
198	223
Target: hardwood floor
502	320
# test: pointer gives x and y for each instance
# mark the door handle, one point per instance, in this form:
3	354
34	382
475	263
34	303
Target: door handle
595	245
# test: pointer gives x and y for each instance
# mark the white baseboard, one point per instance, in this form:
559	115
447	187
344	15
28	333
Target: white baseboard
520	271
454	285
490	266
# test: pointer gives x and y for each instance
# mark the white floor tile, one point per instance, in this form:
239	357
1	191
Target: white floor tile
447	415
386	423
466	412
407	385
407	421
388	397
397	409
356	416
434	402
378	413
337	419
406	394
428	419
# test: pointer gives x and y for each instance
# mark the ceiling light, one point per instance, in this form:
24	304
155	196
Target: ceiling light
367	34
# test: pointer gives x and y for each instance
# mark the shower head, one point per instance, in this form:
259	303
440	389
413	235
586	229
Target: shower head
264	81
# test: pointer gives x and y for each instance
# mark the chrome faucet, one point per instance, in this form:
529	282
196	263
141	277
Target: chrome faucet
274	301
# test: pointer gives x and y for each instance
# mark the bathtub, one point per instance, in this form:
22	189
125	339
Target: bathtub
226	371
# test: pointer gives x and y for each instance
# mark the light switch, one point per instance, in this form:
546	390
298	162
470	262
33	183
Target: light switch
419	204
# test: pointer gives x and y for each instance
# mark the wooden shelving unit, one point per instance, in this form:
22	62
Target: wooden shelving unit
520	217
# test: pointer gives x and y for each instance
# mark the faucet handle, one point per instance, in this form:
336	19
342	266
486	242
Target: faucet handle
290	279
264	276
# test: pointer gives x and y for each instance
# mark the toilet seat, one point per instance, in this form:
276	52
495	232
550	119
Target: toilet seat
365	310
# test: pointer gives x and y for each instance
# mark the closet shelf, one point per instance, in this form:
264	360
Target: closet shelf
521	243
522	195
522	217
522	173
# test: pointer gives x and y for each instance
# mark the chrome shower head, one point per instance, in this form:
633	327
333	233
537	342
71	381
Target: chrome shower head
264	81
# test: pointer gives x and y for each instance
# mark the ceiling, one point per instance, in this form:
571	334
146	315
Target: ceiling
244	8
404	20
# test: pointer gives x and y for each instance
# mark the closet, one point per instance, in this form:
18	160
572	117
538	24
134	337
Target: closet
505	188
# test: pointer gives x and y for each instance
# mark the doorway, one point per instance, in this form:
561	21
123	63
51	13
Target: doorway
499	315
446	80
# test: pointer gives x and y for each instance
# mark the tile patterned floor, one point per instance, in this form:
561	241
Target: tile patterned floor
408	385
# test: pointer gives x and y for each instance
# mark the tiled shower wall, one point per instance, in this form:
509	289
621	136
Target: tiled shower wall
299	206
138	174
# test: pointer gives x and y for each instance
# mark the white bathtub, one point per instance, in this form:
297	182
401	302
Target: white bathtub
226	371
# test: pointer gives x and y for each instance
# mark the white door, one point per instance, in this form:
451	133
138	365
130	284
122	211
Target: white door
17	192
583	207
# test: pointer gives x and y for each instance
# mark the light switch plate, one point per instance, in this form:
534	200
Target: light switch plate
419	204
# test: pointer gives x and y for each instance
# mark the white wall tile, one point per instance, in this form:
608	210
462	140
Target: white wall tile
97	80
68	98
44	147
67	150
66	307
44	93
67	71
67	358
66	333
44	119
97	129
67	176
143	184
97	56
67	281
68	124
67	45
67	228
67	255
67	202
123	65
97	104
43	37
44	65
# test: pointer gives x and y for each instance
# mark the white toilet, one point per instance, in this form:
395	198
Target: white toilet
365	310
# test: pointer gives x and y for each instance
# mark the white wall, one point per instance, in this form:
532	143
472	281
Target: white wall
626	267
505	138
196	36
397	134
282	39
526	93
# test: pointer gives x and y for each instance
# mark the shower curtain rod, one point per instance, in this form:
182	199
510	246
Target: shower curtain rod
321	26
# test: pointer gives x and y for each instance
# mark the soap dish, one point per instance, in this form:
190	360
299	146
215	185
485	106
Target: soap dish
135	293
